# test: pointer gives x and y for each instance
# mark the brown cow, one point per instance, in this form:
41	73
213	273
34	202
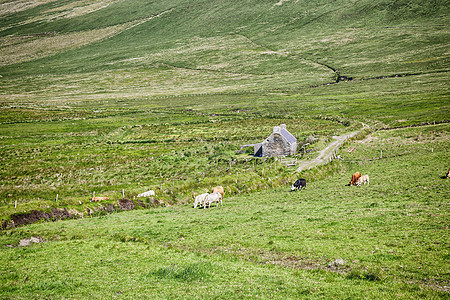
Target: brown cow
355	178
218	189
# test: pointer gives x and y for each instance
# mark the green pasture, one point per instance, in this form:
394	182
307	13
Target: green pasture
119	96
386	240
77	148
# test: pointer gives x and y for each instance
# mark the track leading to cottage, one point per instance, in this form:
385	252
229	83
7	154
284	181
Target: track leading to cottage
326	154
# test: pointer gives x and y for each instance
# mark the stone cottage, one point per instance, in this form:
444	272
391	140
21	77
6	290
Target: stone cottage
280	143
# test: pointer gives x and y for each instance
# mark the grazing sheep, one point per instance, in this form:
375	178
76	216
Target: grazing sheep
218	189
147	194
363	179
211	198
200	199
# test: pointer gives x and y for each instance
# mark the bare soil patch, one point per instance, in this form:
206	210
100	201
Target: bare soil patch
126	204
55	214
36	216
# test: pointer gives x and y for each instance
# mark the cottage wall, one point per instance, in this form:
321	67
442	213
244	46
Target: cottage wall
280	143
293	148
276	145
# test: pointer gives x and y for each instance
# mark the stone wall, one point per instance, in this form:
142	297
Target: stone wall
275	145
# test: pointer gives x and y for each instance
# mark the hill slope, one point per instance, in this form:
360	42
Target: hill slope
114	97
185	75
230	45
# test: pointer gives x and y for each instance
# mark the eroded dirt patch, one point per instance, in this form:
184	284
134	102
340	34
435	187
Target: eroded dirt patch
55	214
126	204
36	216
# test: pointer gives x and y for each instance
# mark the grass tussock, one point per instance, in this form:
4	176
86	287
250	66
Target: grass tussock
191	272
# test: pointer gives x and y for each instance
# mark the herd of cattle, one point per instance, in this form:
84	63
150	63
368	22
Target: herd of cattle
358	180
216	196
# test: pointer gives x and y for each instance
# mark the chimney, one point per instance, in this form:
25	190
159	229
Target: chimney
277	129
283	126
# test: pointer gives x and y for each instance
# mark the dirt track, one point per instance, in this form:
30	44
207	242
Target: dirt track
326	154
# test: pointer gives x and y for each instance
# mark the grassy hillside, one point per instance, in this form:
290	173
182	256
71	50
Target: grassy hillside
359	38
386	240
120	96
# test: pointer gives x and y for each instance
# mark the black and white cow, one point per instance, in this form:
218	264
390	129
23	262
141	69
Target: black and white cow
299	184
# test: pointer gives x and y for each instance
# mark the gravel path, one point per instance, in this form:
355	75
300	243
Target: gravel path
326	154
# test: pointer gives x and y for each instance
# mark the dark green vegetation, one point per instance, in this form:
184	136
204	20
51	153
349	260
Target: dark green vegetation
105	96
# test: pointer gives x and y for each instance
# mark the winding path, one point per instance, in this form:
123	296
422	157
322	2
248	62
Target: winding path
326	154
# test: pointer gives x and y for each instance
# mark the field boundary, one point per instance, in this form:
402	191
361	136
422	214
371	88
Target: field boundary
415	125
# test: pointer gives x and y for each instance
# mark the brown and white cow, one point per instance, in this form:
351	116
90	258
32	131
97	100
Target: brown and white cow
363	179
355	178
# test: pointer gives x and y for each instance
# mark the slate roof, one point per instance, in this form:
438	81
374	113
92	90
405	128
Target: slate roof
288	136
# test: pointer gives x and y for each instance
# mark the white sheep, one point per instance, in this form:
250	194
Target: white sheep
147	194
211	198
200	199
